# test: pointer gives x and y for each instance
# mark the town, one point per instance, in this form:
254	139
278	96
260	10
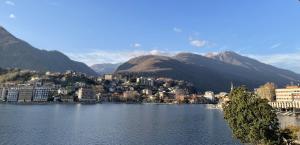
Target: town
23	86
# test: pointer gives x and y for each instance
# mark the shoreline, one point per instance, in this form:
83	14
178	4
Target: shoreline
94	103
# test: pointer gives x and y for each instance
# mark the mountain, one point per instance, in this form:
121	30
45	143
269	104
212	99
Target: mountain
105	68
210	72
253	65
16	53
2	71
162	66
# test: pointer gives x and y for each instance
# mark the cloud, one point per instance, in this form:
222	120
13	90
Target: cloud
198	43
12	16
136	45
178	30
9	3
96	57
159	52
288	61
275	45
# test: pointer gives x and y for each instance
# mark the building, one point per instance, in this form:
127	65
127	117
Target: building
147	92
108	77
25	94
288	94
145	81
3	93
41	94
286	98
67	98
12	95
209	95
129	96
62	91
86	95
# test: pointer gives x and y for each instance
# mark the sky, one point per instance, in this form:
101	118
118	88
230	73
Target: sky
98	31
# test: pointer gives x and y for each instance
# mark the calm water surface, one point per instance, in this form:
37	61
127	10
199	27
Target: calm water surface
112	124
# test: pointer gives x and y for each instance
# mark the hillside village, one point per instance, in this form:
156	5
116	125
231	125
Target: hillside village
24	86
32	87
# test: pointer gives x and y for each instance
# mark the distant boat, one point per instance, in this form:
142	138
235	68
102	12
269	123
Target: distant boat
212	106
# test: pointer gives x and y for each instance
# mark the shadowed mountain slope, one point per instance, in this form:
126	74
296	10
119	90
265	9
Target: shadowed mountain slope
16	53
209	73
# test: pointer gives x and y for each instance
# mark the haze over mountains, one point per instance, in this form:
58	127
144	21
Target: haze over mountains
16	53
211	72
105	68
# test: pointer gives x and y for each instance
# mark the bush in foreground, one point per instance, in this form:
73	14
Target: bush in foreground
252	119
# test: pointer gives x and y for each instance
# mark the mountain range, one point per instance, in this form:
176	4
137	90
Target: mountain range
207	72
105	68
211	71
16	53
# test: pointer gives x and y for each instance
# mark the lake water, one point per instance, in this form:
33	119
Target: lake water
113	124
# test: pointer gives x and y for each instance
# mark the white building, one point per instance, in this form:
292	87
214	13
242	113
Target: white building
86	95
288	94
209	95
25	93
41	94
108	77
145	81
62	91
12	95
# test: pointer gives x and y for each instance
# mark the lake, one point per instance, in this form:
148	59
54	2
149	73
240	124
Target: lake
113	124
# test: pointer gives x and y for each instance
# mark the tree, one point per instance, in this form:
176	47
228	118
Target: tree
251	118
267	91
290	133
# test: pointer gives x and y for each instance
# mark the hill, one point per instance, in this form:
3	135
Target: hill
16	53
210	72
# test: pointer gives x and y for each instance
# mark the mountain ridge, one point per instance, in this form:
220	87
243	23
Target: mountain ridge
210	73
16	53
105	68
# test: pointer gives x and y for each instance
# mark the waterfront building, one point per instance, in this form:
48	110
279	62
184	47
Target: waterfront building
3	93
25	94
209	95
67	98
129	95
62	91
286	98
288	94
86	95
12	95
41	94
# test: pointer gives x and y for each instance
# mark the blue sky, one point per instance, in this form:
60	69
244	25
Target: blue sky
96	31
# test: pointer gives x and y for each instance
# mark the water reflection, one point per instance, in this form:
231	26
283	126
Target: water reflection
112	124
